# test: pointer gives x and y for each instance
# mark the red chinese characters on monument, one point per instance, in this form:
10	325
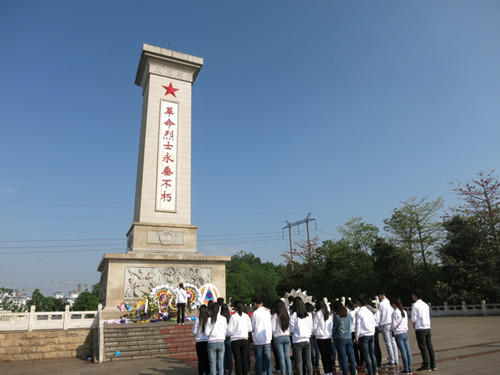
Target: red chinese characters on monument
167	155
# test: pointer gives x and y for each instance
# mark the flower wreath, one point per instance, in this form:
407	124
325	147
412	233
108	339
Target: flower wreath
163	295
209	293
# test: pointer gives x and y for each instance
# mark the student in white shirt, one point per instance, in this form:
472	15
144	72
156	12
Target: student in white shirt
352	309
365	332
399	328
385	315
301	327
181	298
261	336
323	330
421	318
239	329
228	352
216	327
281	336
201	338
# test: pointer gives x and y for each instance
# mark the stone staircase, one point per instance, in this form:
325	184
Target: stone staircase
150	340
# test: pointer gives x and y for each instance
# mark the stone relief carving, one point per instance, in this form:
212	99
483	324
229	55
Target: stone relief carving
166	237
139	281
179	73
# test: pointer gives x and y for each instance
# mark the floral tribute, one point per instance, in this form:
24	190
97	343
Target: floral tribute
160	304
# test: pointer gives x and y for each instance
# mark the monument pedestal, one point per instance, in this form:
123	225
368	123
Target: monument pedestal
162	238
161	243
130	277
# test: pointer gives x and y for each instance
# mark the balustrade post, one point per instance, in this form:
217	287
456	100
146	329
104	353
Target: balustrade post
31	319
66	317
100	332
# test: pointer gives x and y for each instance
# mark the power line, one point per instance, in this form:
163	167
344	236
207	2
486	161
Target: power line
245	241
297	223
55	251
54	246
64	204
62	217
71	240
236	234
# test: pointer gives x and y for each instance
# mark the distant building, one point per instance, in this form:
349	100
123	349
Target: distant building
58	295
20	301
72	296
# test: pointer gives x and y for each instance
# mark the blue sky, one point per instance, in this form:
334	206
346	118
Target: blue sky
334	108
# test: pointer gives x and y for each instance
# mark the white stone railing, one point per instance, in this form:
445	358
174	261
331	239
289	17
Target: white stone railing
484	309
30	321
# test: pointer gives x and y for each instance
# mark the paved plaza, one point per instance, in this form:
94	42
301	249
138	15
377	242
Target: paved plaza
463	345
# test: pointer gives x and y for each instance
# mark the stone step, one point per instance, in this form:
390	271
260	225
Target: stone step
149	340
133	346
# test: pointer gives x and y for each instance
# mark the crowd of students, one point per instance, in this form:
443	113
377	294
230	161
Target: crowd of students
348	331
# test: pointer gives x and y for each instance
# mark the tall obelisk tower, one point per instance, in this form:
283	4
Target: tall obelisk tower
162	215
161	243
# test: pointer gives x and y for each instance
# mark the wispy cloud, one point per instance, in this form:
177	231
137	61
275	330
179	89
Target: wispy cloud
5	187
58	282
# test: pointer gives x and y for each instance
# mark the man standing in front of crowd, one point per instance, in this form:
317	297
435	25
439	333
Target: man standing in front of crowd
421	319
385	316
261	337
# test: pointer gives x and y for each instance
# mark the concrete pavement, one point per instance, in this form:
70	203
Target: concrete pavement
462	345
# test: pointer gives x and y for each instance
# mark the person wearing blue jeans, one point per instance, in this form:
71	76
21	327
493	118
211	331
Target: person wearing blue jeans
280	323
282	345
367	344
302	355
404	348
365	334
399	326
301	328
262	359
261	337
216	357
341	333
216	327
385	315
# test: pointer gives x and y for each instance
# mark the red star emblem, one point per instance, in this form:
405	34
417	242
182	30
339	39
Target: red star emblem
170	90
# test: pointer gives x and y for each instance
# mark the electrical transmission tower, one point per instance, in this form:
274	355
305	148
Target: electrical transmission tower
297	223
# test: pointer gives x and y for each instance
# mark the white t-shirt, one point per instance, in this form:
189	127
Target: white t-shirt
181	296
262	331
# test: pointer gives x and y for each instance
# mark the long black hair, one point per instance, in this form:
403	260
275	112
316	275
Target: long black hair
321	306
224	311
239	307
340	309
203	317
300	308
214	312
397	302
282	315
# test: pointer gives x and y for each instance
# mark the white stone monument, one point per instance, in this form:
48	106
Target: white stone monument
161	243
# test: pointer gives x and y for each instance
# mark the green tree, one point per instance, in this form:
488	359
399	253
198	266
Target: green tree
393	266
416	227
469	263
40	302
303	253
341	270
247	277
5	304
358	235
87	301
482	201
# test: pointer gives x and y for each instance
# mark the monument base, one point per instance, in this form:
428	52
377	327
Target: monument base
130	277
